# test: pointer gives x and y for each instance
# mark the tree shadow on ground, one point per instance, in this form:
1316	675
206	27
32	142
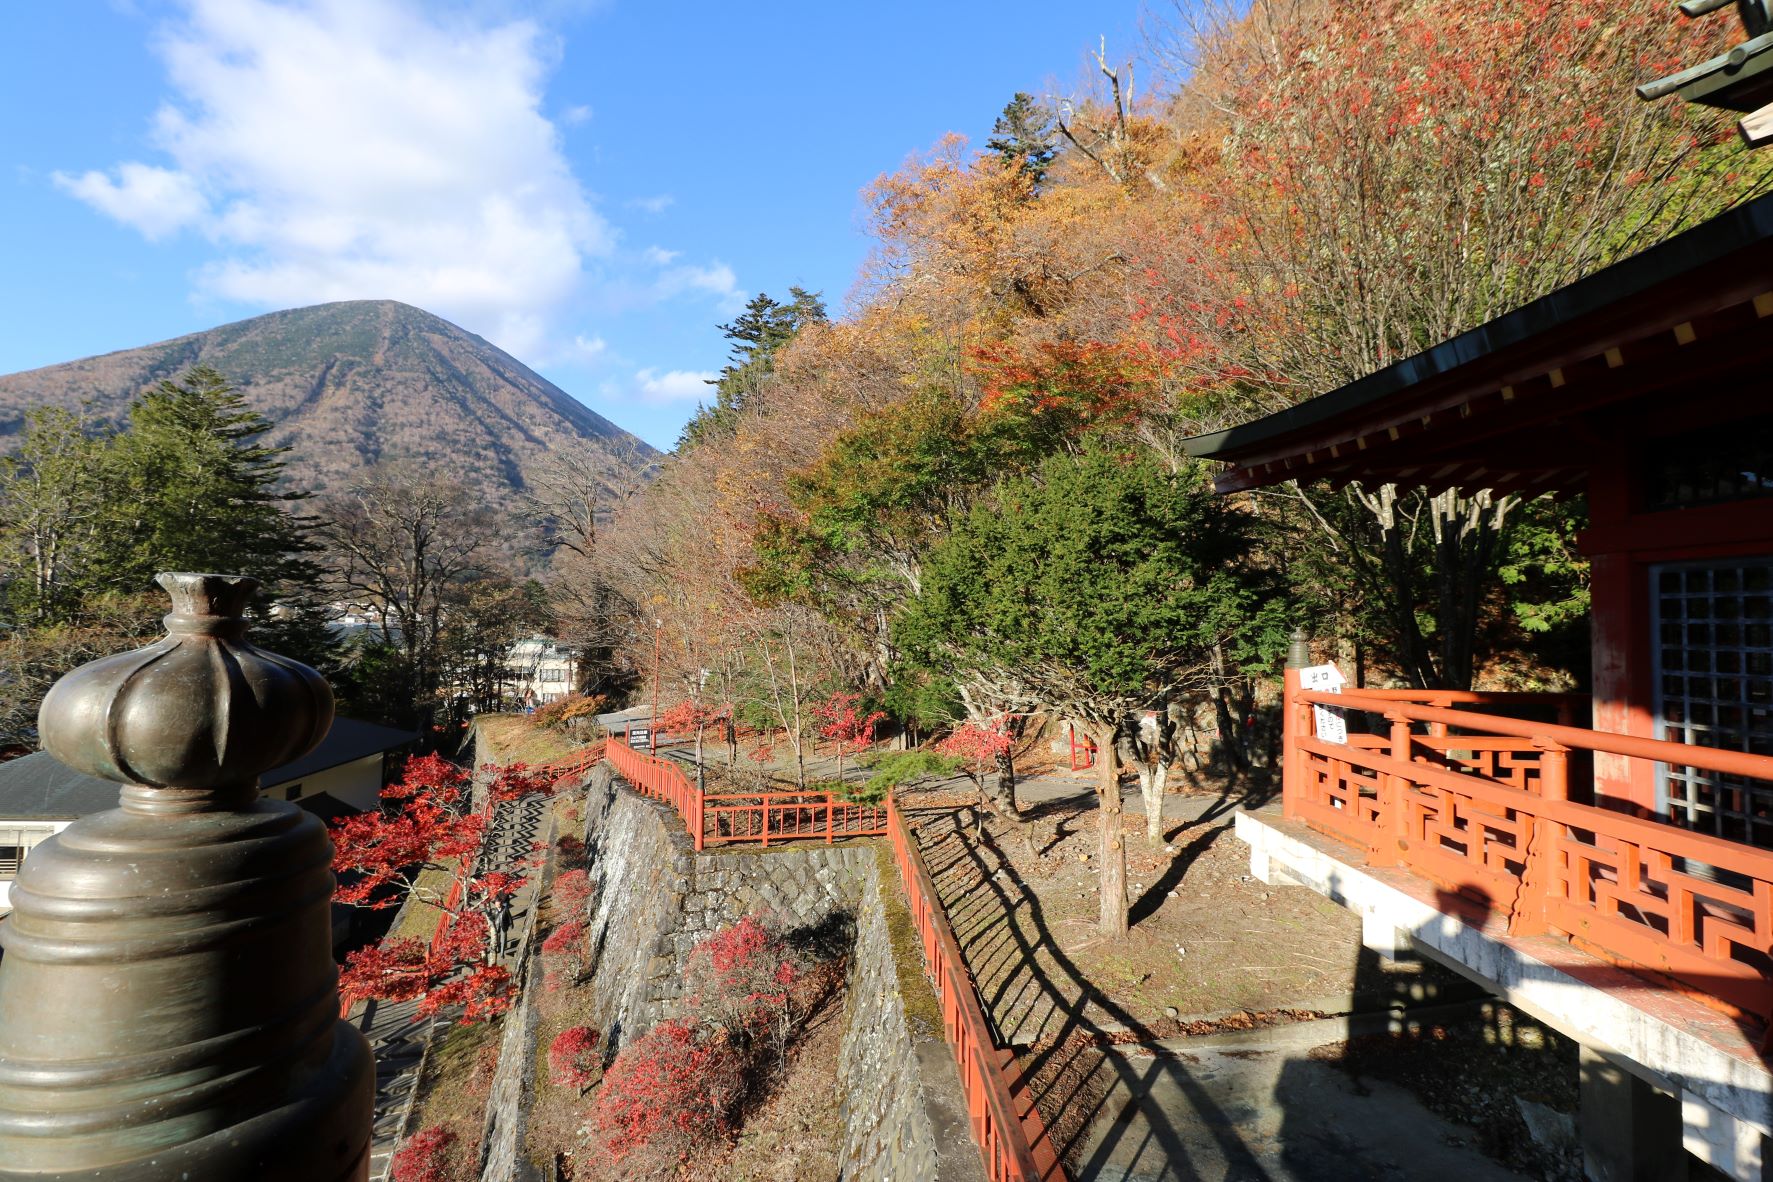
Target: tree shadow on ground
1066	1071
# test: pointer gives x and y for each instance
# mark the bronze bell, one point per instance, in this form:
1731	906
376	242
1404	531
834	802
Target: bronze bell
168	1001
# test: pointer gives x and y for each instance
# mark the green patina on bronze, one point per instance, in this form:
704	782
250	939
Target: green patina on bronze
168	1000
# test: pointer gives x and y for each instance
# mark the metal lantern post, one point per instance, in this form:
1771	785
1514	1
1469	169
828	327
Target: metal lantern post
169	1006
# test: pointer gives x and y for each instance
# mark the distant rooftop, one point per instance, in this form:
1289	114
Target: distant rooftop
41	787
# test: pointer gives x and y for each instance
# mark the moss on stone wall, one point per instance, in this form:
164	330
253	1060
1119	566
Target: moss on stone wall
923	1010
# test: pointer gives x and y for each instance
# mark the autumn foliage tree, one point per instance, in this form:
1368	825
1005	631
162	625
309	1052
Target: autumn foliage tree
696	716
982	749
429	1155
668	1091
381	860
573	1057
742	979
843	720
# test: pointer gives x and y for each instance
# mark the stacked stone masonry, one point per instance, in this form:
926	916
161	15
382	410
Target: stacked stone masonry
655	898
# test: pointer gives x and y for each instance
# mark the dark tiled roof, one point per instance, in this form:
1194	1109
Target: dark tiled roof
1716	243
41	787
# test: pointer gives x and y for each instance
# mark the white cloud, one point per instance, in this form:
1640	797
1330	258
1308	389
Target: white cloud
576	115
658	256
586	348
653	205
155	201
676	385
336	149
716	279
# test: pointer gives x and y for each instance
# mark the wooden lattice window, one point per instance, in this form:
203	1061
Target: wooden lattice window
1714	688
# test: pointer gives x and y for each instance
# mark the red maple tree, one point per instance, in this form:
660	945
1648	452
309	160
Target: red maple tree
382	859
842	721
977	746
572	1057
429	1155
692	715
670	1089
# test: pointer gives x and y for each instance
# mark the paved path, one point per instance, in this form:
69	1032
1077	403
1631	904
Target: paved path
1268	1106
396	1038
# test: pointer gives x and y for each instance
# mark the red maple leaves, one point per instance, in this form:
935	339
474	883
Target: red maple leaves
572	1057
382	859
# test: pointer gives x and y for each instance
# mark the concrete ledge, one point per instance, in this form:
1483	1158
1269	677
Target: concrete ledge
1669	1040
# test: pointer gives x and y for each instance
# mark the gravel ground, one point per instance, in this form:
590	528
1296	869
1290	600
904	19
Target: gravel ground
1213	950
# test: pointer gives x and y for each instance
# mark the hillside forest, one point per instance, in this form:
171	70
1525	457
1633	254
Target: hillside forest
965	501
960	501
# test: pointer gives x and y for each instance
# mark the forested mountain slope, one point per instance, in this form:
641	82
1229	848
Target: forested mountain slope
353	383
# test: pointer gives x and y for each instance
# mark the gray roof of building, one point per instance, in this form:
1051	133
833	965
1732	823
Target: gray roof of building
41	787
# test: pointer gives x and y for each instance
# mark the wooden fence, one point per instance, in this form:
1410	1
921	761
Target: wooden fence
1007	1139
1004	1141
1478	804
763	817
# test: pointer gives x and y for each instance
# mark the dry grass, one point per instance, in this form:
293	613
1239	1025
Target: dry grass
1206	936
419	922
515	738
457	1081
792	1135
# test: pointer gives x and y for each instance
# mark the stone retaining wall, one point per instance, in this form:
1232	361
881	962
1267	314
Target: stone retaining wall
513	1082
656	898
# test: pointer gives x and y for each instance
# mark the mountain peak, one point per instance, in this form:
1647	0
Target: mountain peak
356	382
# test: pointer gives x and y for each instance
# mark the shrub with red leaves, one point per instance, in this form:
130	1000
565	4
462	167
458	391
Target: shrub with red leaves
669	1091
742	979
572	890
572	1057
429	1155
563	954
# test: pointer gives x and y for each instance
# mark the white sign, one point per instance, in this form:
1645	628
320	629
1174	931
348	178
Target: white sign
1330	723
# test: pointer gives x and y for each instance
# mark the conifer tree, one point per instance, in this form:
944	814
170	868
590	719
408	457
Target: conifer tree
758	334
1024	138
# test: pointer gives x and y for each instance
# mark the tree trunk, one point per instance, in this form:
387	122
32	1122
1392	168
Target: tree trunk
1152	779
1113	852
701	774
1005	796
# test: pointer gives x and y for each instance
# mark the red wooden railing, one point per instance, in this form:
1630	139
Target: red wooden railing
1478	803
1004	1135
764	817
1003	1139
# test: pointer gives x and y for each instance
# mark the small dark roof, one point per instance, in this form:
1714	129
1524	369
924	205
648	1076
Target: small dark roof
348	740
40	787
1718	261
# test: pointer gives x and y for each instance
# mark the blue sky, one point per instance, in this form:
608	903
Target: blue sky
594	186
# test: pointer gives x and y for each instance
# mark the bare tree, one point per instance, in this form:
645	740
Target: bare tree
394	543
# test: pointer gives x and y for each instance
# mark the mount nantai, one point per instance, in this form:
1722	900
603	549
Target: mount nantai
352	384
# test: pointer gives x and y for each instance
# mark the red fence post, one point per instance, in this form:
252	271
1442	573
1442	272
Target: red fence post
1295	725
1529	913
1389	839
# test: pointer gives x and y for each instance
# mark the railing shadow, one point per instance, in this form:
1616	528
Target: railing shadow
1069	1077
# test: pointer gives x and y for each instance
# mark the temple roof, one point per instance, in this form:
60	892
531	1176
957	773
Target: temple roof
1510	403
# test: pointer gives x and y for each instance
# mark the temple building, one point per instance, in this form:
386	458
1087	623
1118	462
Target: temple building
1608	871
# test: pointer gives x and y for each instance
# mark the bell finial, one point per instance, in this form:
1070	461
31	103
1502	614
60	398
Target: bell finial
200	709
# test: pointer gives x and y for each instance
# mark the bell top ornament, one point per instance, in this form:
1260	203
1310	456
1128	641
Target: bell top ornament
202	709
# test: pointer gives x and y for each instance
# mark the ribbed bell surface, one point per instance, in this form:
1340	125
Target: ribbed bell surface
168	999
